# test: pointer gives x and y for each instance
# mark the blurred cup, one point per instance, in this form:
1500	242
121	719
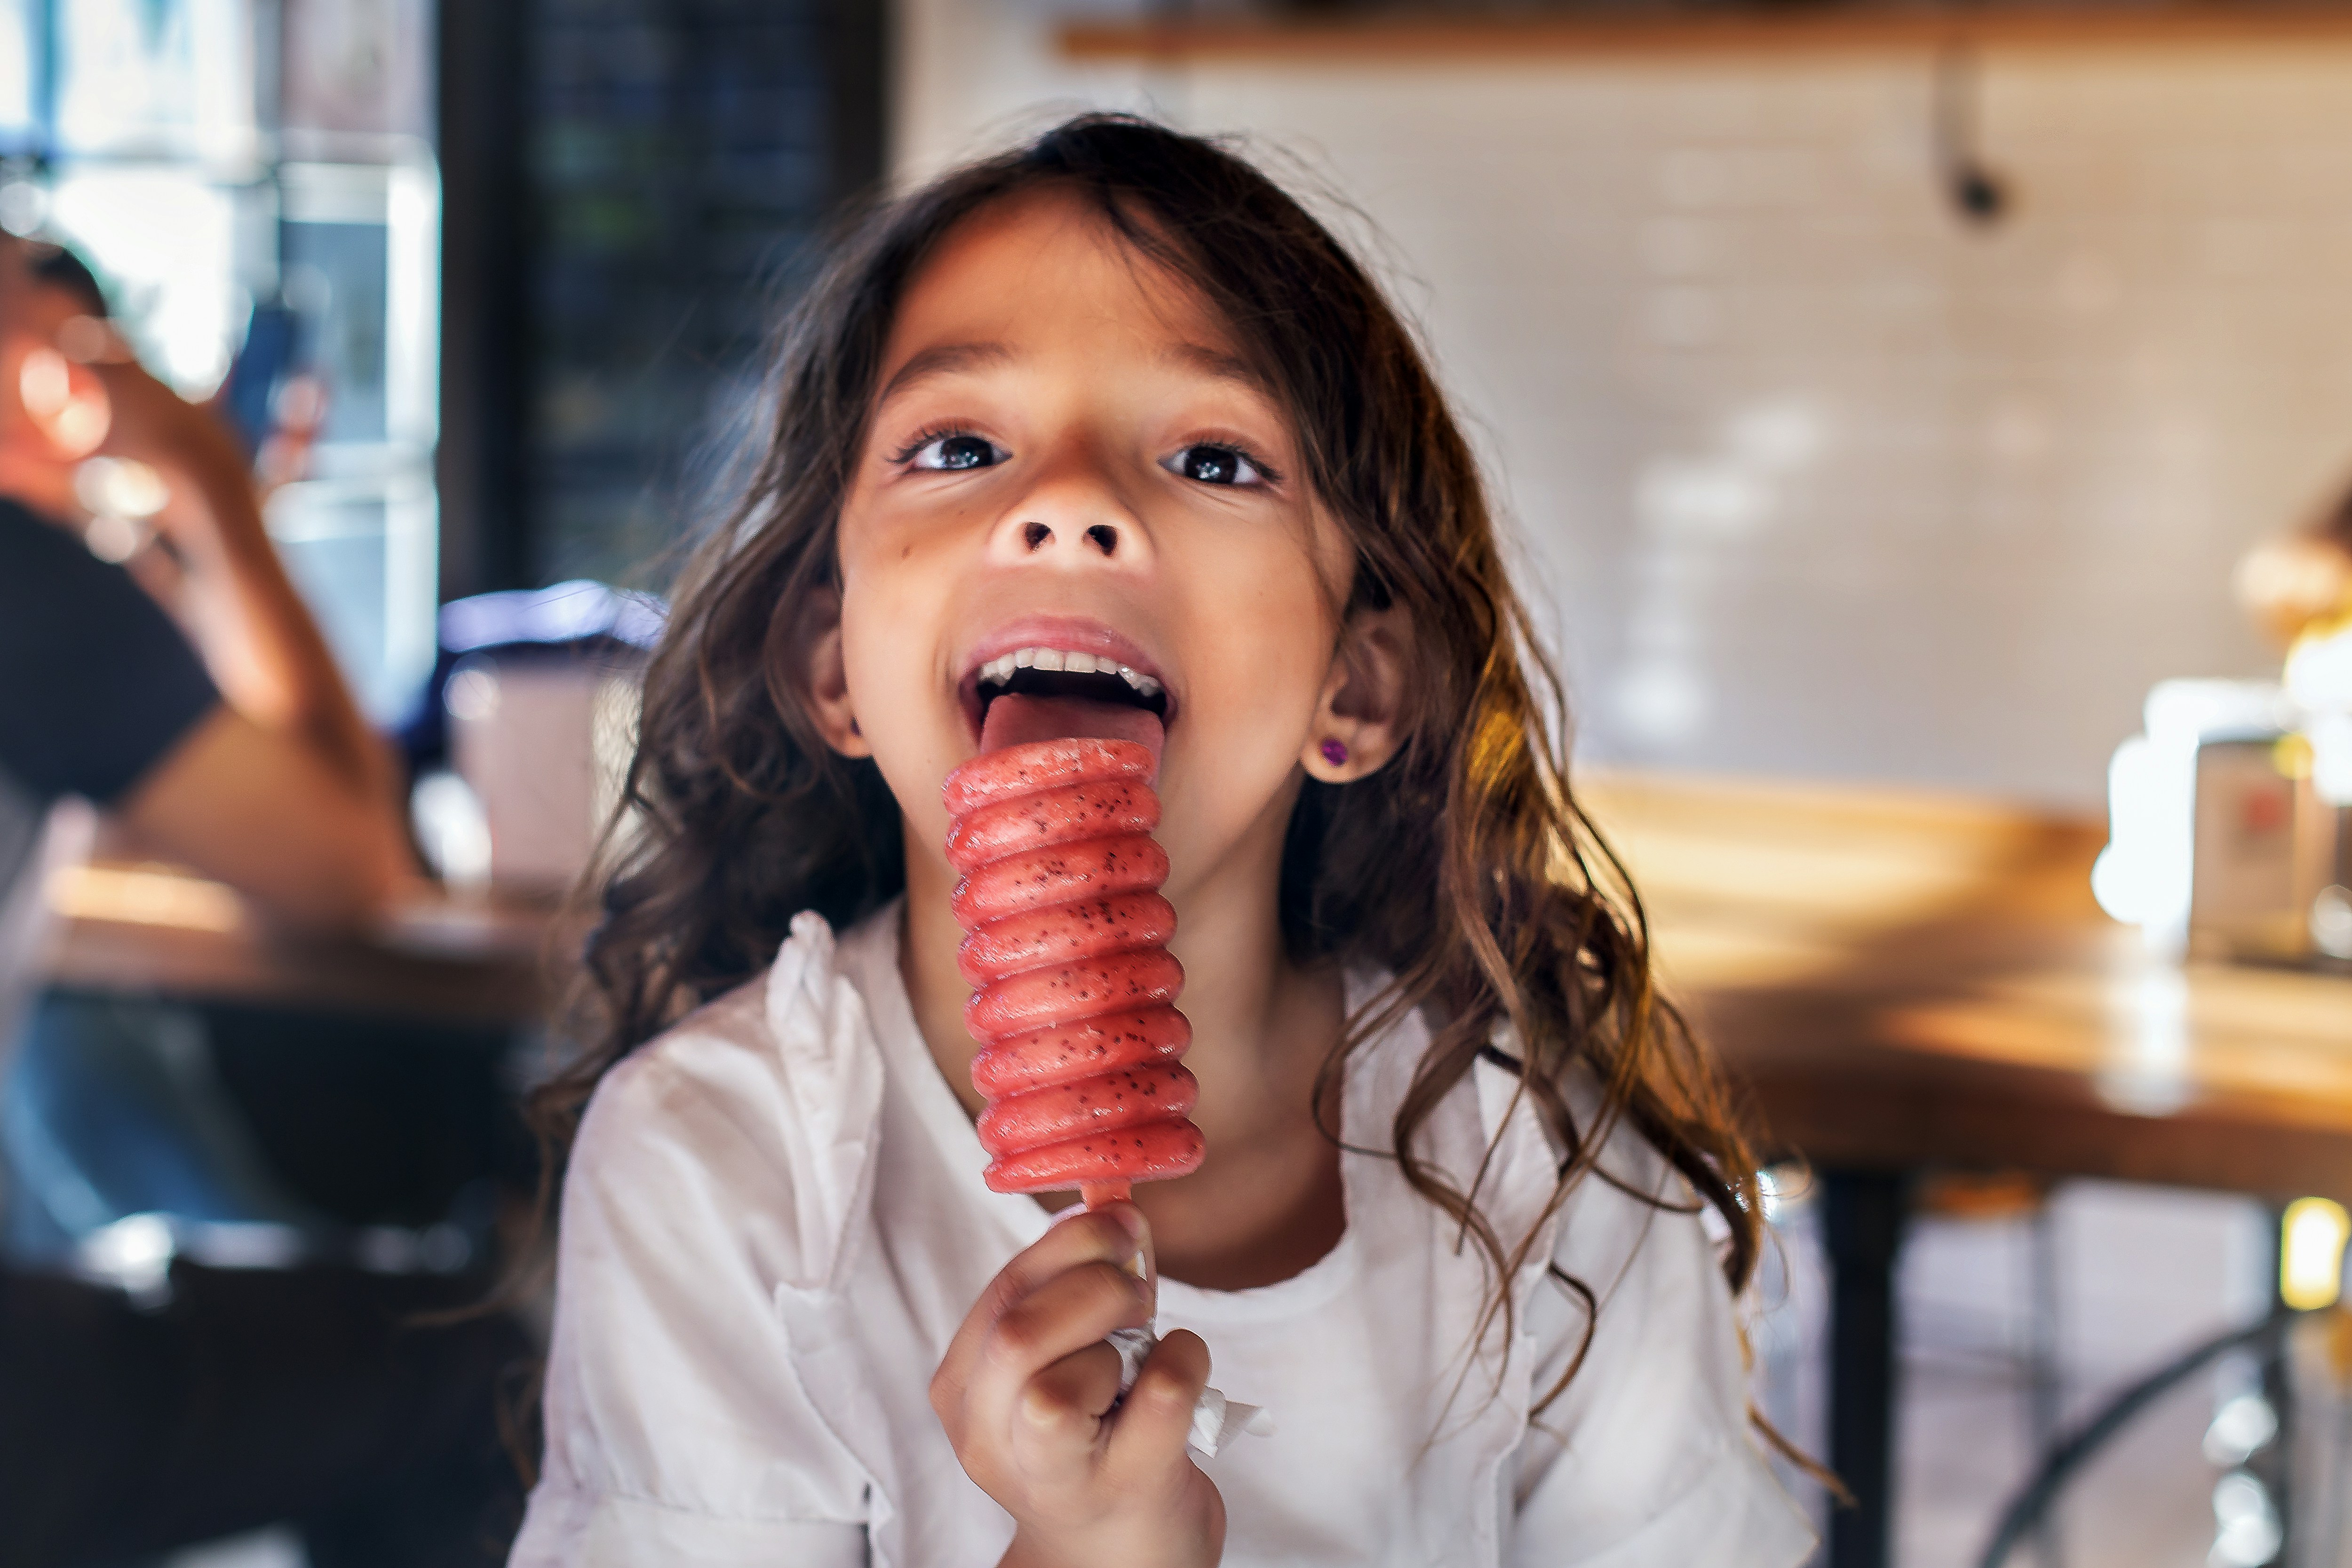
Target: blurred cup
540	743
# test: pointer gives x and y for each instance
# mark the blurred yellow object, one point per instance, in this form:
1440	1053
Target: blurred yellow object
2311	1253
2318	673
2326	624
2339	1345
2291	582
1981	1194
157	898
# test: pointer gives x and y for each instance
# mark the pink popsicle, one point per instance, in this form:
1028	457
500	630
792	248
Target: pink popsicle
1066	937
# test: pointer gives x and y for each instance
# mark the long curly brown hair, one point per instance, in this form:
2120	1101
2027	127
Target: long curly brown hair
1464	867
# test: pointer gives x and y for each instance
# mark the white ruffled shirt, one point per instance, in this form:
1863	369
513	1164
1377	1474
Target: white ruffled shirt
775	1221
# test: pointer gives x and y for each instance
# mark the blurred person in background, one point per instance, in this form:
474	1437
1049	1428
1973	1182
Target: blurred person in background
281	789
217	734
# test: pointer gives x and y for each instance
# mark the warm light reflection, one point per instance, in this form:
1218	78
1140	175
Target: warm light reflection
143	898
2311	1253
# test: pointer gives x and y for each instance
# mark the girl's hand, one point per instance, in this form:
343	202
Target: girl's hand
1026	1395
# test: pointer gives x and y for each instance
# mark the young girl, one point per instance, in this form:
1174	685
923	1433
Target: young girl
1116	395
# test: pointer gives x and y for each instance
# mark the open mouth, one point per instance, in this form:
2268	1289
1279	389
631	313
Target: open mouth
1051	672
1048	690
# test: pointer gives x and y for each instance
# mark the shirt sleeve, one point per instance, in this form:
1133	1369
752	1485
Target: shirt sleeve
677	1430
96	683
1647	1459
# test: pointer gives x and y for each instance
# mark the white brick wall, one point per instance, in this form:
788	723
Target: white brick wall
1814	478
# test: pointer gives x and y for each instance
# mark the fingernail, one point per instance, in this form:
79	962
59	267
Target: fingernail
1140	1265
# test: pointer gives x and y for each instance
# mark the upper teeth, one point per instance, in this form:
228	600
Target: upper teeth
1000	670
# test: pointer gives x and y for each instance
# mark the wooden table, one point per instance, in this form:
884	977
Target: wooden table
152	930
1897	981
1901	982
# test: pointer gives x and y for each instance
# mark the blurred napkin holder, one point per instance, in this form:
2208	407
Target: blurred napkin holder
2221	842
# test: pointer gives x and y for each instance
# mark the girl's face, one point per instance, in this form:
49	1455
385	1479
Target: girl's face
1068	454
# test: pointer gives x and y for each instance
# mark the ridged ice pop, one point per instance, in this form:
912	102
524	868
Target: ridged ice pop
1066	937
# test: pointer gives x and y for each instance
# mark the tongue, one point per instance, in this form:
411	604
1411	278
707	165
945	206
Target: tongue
1015	721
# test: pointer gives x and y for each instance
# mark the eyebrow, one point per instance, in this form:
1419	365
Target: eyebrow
1218	364
946	359
943	358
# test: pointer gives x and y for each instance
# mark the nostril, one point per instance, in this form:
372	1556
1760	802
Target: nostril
1035	534
1103	537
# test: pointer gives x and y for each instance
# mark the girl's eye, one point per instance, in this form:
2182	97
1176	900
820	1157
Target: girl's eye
957	452
1210	464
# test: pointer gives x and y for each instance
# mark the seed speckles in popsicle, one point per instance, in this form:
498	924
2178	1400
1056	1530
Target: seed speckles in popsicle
1066	937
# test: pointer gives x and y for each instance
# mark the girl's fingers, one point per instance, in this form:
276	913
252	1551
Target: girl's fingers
1057	1421
1155	1422
1065	1315
1115	1234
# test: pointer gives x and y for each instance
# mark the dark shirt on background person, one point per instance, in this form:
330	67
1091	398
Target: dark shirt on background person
96	683
96	686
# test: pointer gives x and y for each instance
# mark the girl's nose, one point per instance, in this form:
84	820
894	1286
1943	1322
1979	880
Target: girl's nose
1103	537
1077	516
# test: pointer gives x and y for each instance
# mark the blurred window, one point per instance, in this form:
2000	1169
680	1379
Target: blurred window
145	134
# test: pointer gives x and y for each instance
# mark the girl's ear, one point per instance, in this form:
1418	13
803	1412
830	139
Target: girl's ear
1356	729
826	678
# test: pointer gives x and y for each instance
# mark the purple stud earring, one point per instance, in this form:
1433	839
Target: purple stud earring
1335	753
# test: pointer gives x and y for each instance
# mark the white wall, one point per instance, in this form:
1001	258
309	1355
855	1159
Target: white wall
1813	478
